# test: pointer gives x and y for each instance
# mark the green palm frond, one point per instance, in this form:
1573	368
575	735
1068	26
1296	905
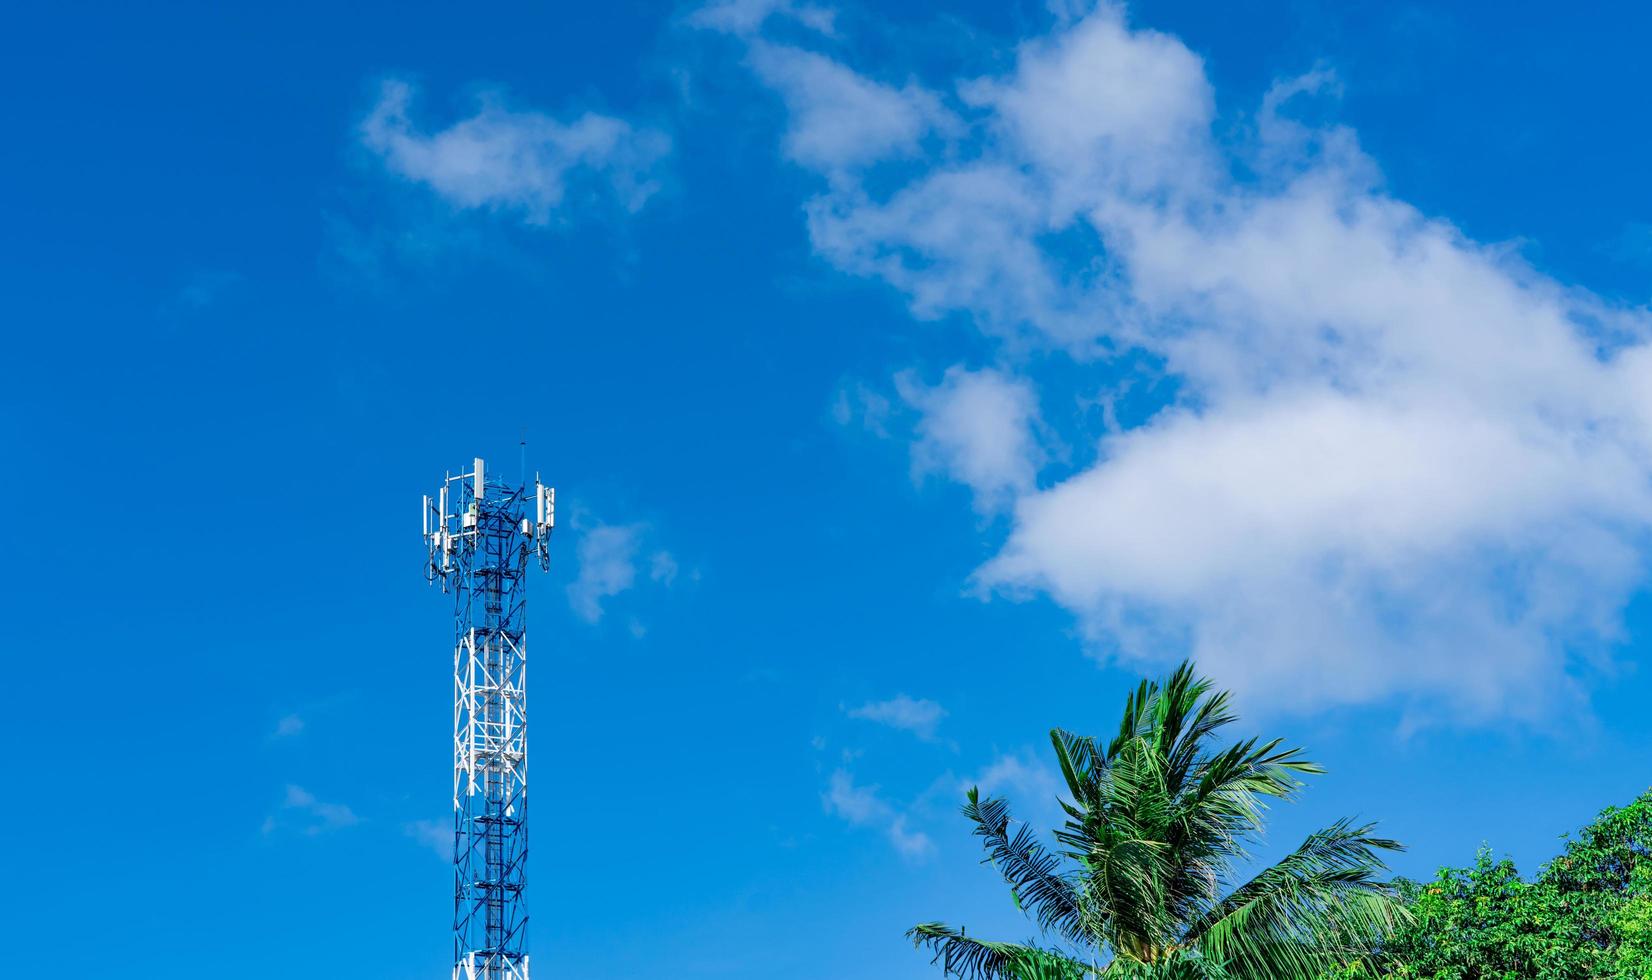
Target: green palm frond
1079	758
1320	907
961	955
1209	715
1189	964
1030	870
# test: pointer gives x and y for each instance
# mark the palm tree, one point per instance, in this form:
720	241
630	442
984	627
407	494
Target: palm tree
1157	826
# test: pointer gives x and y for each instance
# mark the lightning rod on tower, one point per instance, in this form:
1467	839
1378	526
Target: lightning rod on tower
480	534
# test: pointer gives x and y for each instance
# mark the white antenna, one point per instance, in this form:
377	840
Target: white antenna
544	501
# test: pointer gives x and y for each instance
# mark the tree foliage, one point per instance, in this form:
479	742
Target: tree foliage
1586	916
1143	881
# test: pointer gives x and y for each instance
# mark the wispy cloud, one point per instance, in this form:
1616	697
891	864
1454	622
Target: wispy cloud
1402	465
524	162
746	16
919	716
858	405
662	567
607	556
436	835
981	429
841	120
301	811
1019	774
611	558
287	726
861	806
1033	788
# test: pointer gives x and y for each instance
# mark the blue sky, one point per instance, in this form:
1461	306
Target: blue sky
913	382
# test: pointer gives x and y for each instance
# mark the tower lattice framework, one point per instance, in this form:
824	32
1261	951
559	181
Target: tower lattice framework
481	535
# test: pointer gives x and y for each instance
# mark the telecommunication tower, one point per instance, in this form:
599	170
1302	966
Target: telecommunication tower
480	534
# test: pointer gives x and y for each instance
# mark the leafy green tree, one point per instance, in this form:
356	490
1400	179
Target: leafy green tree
1156	829
1487	922
1633	925
1587	915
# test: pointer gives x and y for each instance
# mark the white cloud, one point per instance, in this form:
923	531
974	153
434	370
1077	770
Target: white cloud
863	807
1098	105
857	405
662	568
1032	788
909	844
1402	464
746	16
607	556
288	725
960	238
302	811
840	119
436	835
1020	776
1357	548
979	427
523	162
610	559
920	716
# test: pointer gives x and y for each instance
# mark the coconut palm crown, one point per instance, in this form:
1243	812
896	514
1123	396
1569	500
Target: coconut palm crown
1157	829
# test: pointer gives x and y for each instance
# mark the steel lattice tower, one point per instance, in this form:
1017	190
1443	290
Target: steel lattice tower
480	535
